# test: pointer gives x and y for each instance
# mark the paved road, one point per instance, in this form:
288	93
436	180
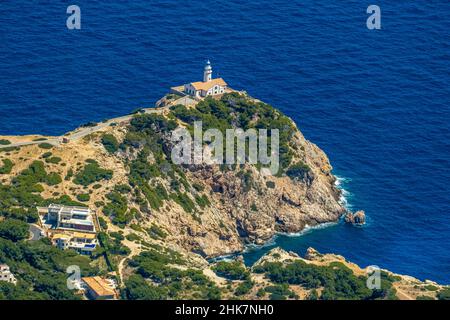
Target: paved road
35	232
82	132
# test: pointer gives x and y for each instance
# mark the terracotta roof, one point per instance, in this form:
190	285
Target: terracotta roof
208	85
99	286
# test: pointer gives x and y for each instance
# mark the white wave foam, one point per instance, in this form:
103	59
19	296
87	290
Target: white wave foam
345	195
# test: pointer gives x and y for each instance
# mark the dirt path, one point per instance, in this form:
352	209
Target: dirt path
402	295
135	250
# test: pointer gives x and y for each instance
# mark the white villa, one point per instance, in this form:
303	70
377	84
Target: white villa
207	87
6	275
71	218
82	242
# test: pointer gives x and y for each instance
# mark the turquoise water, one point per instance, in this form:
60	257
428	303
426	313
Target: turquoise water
377	102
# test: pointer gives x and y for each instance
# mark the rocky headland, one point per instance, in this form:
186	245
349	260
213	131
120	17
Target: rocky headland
188	213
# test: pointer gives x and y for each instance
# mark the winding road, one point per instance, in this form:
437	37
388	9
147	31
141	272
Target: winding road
84	131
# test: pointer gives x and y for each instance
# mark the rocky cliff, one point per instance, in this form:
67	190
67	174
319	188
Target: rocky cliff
211	210
160	221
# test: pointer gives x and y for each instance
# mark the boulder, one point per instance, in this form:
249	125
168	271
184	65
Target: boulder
358	218
349	218
312	254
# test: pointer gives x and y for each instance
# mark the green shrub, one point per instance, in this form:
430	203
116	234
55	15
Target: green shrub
313	295
117	236
298	170
118	210
280	292
112	246
198	187
202	201
9	149
184	201
132	237
270	184
69	175
103	223
99	204
244	287
122	188
46	155
64	200
4	142
14	230
431	287
45	145
92	173
7	166
54	160
36	174
156	232
110	143
231	270
53	179
444	294
83	197
137	288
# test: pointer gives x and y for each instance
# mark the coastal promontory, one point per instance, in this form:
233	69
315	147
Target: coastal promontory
159	223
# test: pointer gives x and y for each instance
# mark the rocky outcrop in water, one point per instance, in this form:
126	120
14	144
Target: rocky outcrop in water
357	218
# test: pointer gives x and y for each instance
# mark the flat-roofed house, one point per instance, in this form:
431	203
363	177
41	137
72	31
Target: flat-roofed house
98	288
6	275
84	243
71	218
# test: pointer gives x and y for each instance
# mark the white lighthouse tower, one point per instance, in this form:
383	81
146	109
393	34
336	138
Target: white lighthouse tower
207	73
207	87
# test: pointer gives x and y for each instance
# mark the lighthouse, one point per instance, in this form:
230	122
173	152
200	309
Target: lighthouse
207	87
207	73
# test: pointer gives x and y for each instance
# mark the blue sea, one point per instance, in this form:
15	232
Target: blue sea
376	101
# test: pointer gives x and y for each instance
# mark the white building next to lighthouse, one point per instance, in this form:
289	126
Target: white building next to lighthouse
207	87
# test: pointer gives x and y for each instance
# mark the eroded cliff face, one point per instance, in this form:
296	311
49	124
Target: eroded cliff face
247	206
253	208
209	210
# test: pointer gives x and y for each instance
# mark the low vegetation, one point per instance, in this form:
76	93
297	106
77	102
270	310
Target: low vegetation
84	197
337	280
117	209
298	170
7	166
444	294
53	160
4	142
92	173
236	111
156	232
39	267
157	279
45	145
110	143
231	270
14	230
